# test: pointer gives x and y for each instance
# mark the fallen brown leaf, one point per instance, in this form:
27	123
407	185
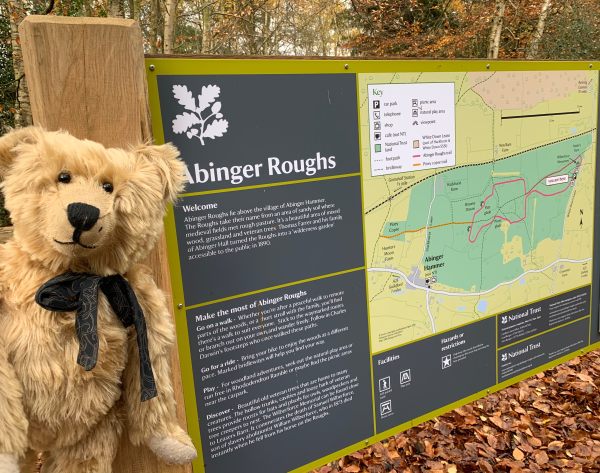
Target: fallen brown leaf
518	454
547	423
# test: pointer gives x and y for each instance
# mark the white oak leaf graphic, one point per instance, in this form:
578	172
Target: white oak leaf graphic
216	128
184	97
210	123
184	122
209	95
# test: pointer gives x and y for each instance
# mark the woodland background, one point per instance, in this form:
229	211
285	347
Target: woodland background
532	29
550	422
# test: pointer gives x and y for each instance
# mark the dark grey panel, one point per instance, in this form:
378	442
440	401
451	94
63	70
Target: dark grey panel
537	317
283	378
290	117
418	378
542	349
254	265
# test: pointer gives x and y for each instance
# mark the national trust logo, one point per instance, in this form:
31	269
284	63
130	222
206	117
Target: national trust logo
197	122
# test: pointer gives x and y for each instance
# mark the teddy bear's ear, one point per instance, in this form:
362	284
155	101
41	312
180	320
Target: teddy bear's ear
14	138
170	168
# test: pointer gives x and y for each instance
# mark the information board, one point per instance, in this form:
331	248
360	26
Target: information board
363	245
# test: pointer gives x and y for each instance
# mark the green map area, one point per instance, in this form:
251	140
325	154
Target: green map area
469	202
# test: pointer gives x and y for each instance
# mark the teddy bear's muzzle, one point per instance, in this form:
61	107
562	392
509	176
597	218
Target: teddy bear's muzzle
82	216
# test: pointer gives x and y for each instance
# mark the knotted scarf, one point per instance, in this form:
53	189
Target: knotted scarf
78	292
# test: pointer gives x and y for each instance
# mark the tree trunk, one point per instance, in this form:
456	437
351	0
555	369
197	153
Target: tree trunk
496	32
266	32
170	22
336	29
539	32
134	6
115	8
87	8
206	28
155	29
17	13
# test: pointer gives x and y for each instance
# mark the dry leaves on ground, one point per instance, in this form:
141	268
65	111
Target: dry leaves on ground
550	422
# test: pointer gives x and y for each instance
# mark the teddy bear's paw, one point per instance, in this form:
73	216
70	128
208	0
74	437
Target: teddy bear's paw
176	448
8	463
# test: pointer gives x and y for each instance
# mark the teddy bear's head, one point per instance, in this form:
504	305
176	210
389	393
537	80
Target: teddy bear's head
76	205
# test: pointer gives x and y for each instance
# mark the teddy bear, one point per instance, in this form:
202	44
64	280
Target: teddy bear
85	333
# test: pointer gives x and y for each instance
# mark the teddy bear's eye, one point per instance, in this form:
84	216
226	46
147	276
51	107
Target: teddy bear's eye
64	177
108	187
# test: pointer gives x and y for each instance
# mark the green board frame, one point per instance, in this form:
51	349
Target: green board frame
163	65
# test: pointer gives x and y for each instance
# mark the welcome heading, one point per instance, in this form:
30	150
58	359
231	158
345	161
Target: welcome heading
274	166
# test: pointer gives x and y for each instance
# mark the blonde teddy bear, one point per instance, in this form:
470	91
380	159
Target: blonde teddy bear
85	333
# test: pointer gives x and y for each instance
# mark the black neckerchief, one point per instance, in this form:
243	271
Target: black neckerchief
79	292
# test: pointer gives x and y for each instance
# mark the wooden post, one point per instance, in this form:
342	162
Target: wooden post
87	76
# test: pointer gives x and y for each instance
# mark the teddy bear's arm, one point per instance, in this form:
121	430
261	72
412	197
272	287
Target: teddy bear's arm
13	422
154	422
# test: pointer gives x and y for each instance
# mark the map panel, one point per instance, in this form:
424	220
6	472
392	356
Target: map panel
509	223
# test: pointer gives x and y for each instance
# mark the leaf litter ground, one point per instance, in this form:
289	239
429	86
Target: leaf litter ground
550	422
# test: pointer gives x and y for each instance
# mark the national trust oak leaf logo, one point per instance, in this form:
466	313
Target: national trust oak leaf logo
196	122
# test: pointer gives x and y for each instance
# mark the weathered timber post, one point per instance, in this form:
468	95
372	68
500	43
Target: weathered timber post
87	76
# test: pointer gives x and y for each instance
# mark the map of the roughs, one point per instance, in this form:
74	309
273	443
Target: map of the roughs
476	205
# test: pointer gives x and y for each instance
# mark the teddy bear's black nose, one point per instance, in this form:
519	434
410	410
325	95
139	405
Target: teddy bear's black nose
82	216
